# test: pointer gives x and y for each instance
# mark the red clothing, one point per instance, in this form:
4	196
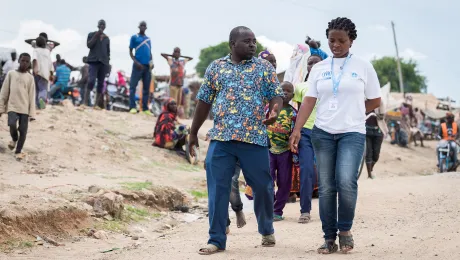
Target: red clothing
177	72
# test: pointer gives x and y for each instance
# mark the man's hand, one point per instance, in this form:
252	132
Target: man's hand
139	66
32	119
272	116
294	141
192	143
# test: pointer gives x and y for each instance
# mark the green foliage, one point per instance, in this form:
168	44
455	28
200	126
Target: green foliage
211	53
387	71
136	185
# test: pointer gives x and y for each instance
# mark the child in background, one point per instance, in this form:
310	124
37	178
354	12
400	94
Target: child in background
315	48
17	98
43	71
280	154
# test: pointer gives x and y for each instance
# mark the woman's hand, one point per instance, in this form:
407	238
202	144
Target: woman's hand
294	141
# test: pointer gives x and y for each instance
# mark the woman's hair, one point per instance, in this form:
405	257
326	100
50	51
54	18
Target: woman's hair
345	24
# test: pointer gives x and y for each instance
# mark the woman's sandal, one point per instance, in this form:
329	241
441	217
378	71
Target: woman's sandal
209	249
329	247
268	241
346	243
304	218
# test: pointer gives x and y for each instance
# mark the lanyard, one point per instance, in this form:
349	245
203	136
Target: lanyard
336	81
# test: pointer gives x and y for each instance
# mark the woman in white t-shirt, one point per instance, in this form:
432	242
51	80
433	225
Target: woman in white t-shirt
345	87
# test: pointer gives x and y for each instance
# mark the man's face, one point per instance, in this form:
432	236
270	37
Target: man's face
13	56
142	27
24	63
176	53
101	25
58	57
244	45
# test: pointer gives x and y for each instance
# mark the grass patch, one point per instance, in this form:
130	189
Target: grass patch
118	226
136	185
13	244
118	177
189	168
137	211
199	194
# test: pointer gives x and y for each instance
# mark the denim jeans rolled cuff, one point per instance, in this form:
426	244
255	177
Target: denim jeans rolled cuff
338	157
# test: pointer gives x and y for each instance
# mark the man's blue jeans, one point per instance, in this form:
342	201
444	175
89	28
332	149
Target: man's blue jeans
307	170
338	157
136	75
220	168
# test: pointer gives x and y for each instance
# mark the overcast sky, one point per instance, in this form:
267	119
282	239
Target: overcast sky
421	27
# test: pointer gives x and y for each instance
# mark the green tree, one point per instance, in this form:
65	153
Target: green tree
211	53
387	71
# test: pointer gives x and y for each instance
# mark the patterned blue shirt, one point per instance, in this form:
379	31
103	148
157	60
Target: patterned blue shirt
238	94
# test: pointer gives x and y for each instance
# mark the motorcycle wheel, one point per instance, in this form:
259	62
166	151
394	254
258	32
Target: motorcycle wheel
443	166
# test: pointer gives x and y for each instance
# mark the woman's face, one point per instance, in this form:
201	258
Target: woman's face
172	106
339	43
312	60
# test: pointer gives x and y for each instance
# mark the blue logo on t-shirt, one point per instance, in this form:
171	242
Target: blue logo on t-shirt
326	74
354	75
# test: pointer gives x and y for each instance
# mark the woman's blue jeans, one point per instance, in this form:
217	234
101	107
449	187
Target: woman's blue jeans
338	157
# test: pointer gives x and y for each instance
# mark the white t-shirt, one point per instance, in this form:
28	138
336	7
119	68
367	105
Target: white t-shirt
44	63
359	82
10	65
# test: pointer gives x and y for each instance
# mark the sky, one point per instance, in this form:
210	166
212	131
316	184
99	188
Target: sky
422	29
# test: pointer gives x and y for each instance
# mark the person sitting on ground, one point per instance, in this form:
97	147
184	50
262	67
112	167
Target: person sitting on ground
17	98
401	137
62	81
168	133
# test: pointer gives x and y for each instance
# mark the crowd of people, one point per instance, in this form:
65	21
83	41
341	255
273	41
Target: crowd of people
255	119
309	130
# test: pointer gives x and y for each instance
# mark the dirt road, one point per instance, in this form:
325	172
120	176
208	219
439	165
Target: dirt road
398	218
406	213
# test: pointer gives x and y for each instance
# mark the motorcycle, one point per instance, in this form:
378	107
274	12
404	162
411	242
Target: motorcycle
158	97
119	100
72	93
446	155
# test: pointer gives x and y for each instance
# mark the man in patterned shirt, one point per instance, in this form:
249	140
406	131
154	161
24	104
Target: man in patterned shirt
238	87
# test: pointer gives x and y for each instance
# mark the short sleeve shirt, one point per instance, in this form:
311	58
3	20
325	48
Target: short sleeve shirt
299	93
142	46
280	131
63	75
359	82
238	94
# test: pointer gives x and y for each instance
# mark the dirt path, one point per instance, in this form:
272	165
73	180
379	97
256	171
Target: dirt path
406	213
398	218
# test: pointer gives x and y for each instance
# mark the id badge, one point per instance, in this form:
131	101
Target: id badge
333	105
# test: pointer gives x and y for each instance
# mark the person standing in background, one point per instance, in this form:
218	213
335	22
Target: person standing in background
98	60
50	45
142	67
10	64
43	71
83	82
17	98
307	174
177	67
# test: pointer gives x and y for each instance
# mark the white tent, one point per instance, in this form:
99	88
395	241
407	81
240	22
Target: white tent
388	102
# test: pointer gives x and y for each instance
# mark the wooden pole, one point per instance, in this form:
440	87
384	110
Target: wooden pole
398	60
